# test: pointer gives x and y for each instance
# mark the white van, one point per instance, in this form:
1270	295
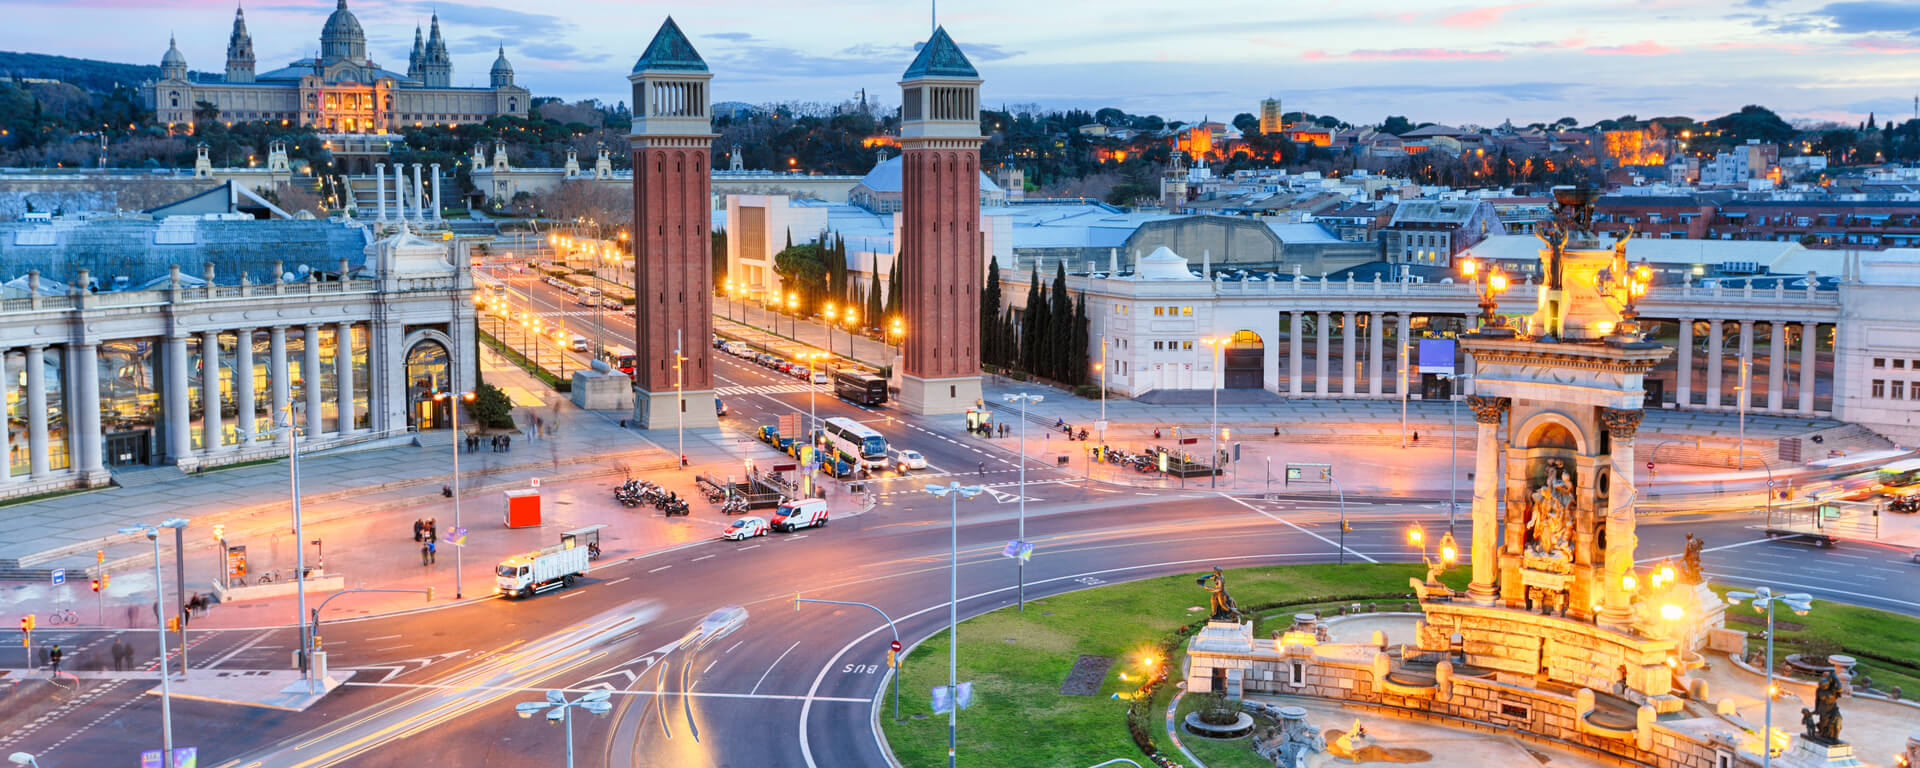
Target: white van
579	343
587	296
802	513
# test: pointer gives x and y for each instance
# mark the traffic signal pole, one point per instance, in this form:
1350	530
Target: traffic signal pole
180	578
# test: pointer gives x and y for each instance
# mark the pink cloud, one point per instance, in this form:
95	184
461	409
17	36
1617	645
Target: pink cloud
1315	55
1482	17
1879	45
1426	53
1642	48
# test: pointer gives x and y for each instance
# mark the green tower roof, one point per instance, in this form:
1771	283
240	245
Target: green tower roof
670	50
940	57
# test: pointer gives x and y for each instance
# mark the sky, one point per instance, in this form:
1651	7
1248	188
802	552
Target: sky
1475	63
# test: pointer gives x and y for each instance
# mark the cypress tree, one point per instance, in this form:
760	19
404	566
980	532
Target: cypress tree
1031	321
893	291
1009	342
990	314
874	311
1077	361
1060	326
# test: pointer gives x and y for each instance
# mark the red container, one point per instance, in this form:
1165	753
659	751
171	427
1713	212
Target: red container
523	507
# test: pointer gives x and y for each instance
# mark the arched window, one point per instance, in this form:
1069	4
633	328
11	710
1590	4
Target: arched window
175	96
513	105
428	374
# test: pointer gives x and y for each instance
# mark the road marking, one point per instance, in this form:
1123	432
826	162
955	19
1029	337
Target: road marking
618	580
659	569
383	637
518	689
776	662
242	648
1297	527
1829	589
756	546
731	647
709	667
797	537
1710	549
571	594
1851	557
700	558
393	648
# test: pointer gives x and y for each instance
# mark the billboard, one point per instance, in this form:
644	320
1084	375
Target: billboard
1436	357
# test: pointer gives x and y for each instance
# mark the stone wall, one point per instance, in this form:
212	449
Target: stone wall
1579	654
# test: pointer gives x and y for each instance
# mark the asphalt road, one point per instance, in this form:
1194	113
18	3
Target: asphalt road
787	687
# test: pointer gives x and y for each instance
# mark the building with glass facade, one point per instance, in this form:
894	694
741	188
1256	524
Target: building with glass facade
127	343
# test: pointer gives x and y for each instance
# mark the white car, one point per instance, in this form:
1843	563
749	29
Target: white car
745	528
716	625
911	460
820	377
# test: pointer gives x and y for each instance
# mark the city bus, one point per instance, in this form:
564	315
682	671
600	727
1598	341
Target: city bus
621	358
1901	478
860	387
852	440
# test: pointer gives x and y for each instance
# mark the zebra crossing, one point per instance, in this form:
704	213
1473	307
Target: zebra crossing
769	389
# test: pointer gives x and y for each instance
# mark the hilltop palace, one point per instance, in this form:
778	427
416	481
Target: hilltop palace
341	90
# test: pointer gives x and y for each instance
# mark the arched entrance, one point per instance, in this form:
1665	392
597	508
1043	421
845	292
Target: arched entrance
1245	360
428	373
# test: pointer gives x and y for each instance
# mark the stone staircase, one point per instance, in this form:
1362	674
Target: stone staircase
11	570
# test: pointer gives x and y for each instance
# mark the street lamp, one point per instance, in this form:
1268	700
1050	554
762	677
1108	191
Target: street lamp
159	630
1023	399
454	408
22	758
1214	344
793	315
1453	449
287	421
898	333
1763	599
955	492
1489	283
852	319
730	296
832	315
813	362
1101	368
559	710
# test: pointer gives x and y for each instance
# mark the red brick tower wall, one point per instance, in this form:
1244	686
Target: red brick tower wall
940	253
673	270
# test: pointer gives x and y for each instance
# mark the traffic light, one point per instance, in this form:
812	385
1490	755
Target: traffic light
173	623
106	580
26	623
95	583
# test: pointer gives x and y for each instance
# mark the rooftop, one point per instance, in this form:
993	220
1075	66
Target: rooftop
940	57
670	49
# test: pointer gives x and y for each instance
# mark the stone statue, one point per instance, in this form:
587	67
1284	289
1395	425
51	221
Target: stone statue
1690	560
1552	508
1222	604
1823	720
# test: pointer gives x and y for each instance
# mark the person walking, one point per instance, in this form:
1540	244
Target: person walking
432	550
426	548
418	527
122	655
53	658
433	529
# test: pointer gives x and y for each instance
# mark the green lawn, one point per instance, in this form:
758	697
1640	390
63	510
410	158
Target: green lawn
1887	644
1017	662
1216	753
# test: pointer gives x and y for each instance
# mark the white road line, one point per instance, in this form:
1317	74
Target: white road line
239	650
383	637
394	648
571	594
756	546
1850	557
659	569
690	694
796	537
618	580
1710	549
1296	527
776	662
700	558
1906	603
731	647
709	667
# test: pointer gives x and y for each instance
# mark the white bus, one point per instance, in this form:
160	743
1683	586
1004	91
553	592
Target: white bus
852	440
587	296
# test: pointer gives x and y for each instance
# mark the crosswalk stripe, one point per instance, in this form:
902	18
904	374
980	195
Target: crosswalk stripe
770	389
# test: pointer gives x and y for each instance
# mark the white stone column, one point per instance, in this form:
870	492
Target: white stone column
1320	344
1776	365
310	373
6	438
1683	375
436	192
418	214
1487	412
84	426
1467	387
1375	329
1402	386
399	192
179	424
212	425
1616	608
380	189
279	374
1347	371
343	364
1809	347
1745	359
243	402
37	462
1296	353
1716	332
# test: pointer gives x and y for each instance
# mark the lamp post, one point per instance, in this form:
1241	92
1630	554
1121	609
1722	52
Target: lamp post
955	492
1763	598
793	315
1102	369
898	333
852	319
160	631
832	315
1453	451
1343	513
813	413
1213	346
289	425
1740	400
679	396
453	407
1023	399
559	710
1489	282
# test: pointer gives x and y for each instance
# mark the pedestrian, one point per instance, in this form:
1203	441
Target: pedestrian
983	467
1276	431
186	615
425	549
119	655
433	529
506	443
432	550
1416	437
418	526
53	657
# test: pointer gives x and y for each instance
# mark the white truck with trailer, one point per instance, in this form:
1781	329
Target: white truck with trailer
549	568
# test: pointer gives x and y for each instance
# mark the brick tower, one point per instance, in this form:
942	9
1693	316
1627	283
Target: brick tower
673	292
940	248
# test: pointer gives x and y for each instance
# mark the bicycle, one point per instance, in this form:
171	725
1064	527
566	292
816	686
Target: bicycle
268	577
62	616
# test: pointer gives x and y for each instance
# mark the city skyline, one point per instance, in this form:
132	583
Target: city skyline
1477	63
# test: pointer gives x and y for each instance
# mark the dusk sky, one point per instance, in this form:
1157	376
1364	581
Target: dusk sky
1477	63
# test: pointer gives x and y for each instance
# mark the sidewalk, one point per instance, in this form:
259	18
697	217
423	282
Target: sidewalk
352	498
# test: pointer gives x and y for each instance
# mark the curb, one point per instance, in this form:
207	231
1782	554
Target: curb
1173	706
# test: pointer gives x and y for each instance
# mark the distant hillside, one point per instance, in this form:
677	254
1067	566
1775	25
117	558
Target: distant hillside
98	76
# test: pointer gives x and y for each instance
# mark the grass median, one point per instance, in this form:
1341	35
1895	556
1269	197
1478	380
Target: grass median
1887	645
1017	662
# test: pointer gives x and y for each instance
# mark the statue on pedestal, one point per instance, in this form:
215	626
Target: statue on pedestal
1552	508
1690	560
1222	604
1823	720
